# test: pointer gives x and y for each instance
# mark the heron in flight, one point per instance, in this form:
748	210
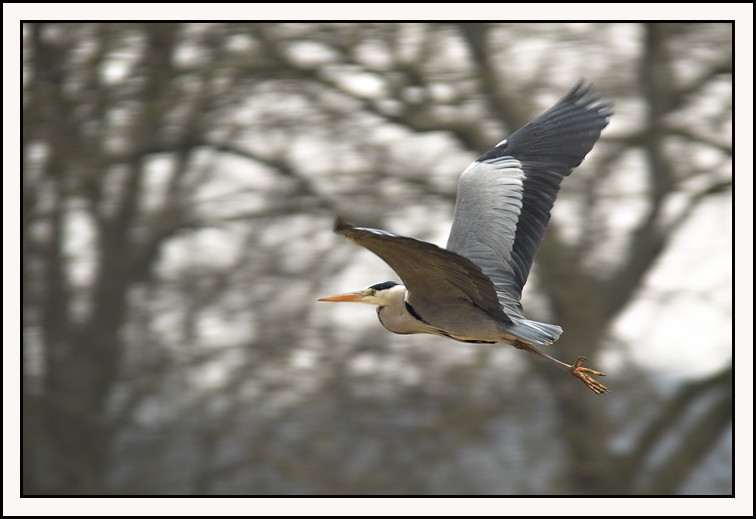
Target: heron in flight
471	291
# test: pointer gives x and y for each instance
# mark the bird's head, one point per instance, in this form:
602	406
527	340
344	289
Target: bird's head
380	294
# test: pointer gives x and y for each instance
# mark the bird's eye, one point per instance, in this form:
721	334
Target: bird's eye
371	292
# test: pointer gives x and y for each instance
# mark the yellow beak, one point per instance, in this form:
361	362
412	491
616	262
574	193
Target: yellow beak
341	298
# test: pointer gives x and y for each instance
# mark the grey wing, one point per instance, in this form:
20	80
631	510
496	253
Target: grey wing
505	197
428	271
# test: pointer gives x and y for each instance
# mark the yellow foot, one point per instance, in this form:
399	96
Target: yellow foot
580	373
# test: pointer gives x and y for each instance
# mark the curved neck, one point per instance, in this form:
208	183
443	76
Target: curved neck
396	316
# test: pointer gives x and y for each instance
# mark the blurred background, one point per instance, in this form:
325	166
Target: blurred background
179	187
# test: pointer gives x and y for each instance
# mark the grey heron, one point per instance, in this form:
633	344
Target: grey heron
471	291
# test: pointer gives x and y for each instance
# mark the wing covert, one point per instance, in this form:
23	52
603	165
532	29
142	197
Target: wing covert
428	271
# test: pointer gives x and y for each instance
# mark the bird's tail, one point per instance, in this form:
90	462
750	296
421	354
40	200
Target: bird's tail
536	333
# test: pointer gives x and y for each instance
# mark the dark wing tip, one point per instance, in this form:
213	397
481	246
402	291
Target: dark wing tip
578	117
340	226
585	94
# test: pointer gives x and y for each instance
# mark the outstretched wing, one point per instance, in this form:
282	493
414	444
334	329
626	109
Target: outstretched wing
428	271
505	197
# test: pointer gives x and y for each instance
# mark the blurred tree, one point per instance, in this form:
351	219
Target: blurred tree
179	182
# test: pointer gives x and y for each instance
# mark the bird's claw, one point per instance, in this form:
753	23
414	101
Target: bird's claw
582	374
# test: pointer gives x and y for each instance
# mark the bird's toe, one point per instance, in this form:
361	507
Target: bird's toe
582	374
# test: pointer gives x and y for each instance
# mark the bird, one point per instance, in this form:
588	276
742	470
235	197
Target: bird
471	290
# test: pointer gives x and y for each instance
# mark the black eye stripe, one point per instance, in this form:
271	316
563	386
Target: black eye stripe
383	286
